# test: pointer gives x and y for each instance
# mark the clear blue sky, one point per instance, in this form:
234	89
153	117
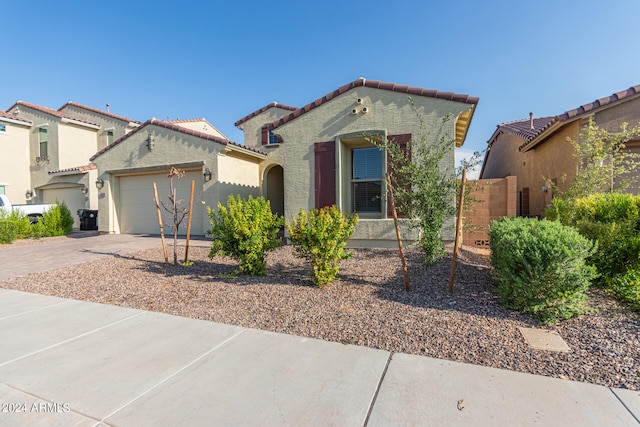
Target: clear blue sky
224	59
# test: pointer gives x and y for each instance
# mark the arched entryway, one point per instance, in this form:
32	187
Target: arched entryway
274	191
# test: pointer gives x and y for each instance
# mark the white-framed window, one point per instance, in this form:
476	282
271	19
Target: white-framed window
2	191
366	180
43	142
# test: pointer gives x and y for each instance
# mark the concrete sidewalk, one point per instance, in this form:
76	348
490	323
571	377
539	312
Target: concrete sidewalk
65	362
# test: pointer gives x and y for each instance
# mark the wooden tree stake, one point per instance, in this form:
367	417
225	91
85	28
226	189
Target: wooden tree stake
405	272
164	245
456	244
186	250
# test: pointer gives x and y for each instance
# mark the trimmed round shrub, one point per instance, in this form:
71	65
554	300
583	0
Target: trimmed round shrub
245	230
540	268
320	236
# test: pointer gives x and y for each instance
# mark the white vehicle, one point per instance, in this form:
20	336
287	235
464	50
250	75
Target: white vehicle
32	211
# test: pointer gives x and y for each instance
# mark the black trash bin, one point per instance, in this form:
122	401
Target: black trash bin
88	219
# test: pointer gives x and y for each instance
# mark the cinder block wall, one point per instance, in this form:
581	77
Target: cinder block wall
495	198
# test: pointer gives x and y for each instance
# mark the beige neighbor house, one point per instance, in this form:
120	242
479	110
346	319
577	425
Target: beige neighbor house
320	154
128	168
15	177
537	148
60	143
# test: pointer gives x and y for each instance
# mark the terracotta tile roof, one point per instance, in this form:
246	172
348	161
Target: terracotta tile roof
10	116
523	129
410	90
589	108
95	110
177	128
80	169
49	111
262	110
188	120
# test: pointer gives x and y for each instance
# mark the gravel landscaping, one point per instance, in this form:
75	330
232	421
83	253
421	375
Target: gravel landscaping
368	306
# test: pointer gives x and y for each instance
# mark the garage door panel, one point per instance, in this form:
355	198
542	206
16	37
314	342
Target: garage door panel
137	209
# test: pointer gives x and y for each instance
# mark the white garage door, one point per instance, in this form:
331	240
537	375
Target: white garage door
72	197
138	212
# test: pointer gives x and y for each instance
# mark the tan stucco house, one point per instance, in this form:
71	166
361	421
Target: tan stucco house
320	154
59	144
15	177
128	168
537	148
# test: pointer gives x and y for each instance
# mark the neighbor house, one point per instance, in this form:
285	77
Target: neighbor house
15	177
60	146
321	154
536	149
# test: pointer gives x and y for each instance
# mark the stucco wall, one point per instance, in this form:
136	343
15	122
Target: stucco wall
490	200
14	162
389	113
75	145
120	128
236	176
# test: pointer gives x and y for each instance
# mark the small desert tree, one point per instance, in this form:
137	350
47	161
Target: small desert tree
177	213
422	185
603	164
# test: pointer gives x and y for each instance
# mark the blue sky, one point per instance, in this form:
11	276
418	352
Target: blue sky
224	59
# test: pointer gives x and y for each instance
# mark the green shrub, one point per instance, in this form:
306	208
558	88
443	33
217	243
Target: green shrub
14	226
562	210
539	267
246	231
56	221
627	287
320	236
613	220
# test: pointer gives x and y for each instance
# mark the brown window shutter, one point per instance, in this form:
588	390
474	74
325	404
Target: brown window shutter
402	140
265	136
325	173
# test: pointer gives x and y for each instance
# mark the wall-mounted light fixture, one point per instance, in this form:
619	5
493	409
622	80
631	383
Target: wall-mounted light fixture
150	143
28	194
99	183
207	175
84	190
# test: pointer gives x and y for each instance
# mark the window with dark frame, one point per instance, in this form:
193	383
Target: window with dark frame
109	137
3	127
366	180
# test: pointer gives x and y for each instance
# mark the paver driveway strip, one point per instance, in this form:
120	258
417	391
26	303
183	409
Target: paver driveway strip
23	260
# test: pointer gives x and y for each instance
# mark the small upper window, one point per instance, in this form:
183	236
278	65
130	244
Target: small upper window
3	127
273	138
109	137
43	140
